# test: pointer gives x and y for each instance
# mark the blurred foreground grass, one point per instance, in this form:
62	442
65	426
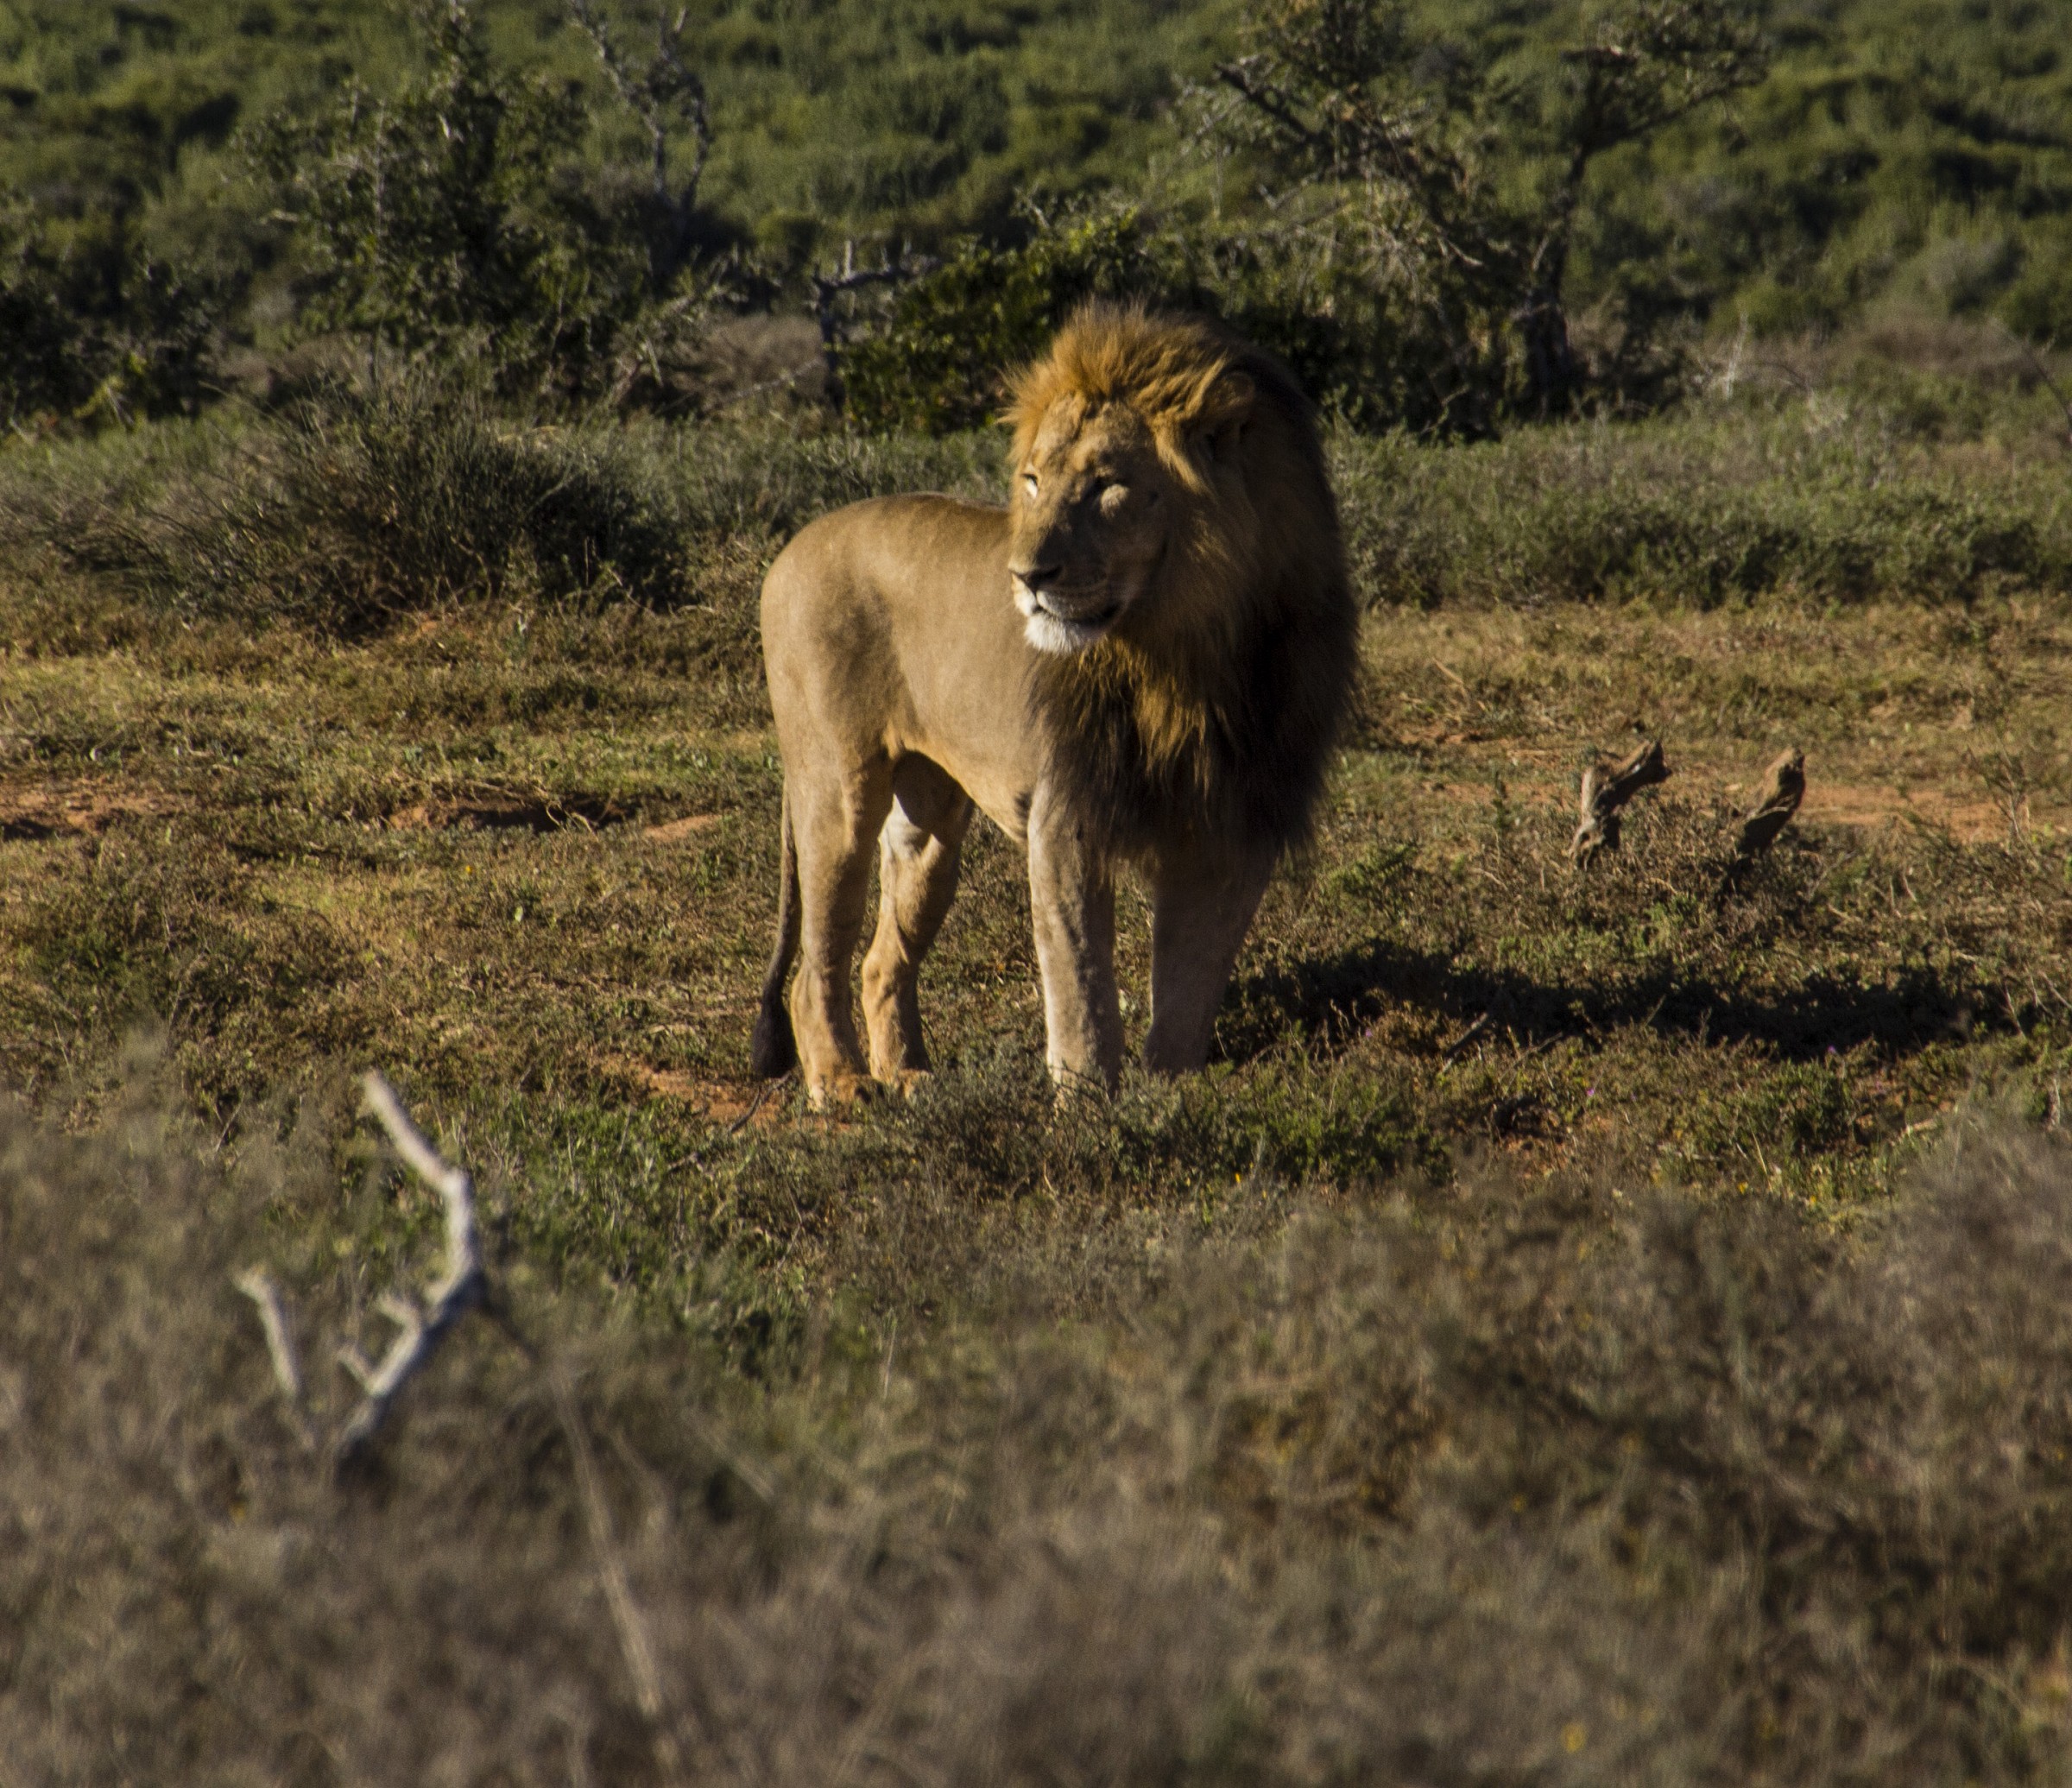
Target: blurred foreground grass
1555	1479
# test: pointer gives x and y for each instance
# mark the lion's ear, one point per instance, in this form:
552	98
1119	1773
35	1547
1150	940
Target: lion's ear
1226	408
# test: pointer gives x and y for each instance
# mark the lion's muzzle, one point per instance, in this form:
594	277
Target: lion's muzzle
1055	622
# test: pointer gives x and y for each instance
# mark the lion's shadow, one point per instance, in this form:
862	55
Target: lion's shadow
1332	1001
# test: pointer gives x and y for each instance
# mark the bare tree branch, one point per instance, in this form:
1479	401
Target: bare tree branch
626	1619
667	97
1333	92
463	1286
894	269
257	1284
2042	372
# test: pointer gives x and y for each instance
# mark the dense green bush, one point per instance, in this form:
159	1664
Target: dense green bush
1447	161
442	217
938	358
937	362
93	329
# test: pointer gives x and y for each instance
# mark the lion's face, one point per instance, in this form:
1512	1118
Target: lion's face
1087	526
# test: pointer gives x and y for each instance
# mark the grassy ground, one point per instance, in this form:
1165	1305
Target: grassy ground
514	843
523	850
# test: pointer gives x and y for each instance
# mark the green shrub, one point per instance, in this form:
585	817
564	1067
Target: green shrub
939	362
434	216
359	504
95	329
939	358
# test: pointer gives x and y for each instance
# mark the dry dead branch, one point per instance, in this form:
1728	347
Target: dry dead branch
2042	372
418	1328
1784	788
1467	1040
894	268
257	1284
1606	789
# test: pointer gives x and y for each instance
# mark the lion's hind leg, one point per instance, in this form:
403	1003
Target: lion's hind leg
833	822
919	849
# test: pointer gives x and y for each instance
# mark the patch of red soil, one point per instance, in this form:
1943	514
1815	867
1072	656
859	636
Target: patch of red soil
724	1102
670	829
79	809
1970	821
500	810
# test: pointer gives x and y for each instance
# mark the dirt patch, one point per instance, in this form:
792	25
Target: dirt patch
724	1102
79	809
669	830
1970	821
501	809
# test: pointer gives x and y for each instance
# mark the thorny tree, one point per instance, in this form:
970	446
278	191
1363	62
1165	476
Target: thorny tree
431	217
1460	173
668	99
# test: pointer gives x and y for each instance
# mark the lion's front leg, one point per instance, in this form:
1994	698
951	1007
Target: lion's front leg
1201	907
1072	899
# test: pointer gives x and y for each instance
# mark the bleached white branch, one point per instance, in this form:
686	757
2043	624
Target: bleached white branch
420	1328
257	1284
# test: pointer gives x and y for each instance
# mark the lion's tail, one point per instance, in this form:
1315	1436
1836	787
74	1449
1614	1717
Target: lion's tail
773	1051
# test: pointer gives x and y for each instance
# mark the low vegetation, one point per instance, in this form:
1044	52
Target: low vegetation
1567	1480
1586	1325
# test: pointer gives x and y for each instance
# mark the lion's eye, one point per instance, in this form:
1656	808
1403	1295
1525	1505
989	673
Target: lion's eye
1029	482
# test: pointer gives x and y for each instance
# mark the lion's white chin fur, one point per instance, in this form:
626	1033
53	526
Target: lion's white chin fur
1048	631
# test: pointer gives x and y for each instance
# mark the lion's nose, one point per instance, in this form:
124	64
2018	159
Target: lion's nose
1038	577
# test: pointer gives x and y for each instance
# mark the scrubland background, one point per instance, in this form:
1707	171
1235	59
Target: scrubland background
1582	1328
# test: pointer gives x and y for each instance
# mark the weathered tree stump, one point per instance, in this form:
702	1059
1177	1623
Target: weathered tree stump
1784	788
1606	789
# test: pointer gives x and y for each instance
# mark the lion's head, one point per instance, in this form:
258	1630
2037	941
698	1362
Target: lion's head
1174	550
1127	437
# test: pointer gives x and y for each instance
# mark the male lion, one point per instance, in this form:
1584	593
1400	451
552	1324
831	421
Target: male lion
1143	660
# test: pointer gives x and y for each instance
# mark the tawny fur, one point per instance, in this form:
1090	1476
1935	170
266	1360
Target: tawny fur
1144	658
